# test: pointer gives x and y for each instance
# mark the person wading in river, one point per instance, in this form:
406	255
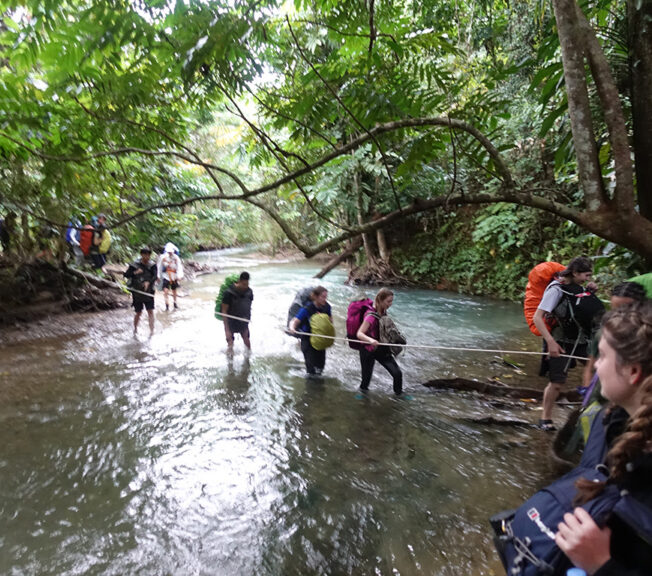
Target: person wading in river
237	302
369	332
141	276
567	337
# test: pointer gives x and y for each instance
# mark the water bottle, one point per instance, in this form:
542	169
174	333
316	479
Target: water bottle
575	572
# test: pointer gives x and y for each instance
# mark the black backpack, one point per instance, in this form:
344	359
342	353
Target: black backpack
578	312
301	300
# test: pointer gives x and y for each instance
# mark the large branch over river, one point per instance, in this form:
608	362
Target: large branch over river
623	226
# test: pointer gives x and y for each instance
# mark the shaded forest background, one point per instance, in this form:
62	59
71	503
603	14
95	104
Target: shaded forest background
451	145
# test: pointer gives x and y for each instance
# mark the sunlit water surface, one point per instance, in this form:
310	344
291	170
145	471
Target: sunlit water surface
164	456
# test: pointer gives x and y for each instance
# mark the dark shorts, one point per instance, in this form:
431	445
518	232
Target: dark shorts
141	302
557	368
238	327
171	284
98	259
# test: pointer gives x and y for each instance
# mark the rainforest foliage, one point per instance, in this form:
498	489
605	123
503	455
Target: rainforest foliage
458	141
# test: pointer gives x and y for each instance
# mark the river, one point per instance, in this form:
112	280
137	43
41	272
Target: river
165	456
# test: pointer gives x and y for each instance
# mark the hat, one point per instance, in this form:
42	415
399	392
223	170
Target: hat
101	215
169	247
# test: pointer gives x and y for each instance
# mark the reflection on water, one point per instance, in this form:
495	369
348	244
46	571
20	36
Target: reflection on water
166	456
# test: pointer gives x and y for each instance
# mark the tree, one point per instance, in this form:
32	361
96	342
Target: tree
423	103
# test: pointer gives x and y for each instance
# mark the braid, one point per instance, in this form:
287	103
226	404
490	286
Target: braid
637	438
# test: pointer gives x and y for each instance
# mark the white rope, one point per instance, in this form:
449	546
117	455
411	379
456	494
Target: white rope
420	346
431	347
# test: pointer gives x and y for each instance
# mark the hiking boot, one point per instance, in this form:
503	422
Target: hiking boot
167	307
175	306
547	426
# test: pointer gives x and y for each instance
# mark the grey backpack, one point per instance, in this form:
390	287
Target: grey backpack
390	334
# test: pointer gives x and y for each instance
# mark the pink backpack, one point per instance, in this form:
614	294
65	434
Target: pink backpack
354	318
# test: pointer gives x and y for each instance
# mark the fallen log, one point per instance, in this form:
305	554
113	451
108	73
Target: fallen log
466	385
339	258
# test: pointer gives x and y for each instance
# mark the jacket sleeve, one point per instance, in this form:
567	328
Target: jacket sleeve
614	568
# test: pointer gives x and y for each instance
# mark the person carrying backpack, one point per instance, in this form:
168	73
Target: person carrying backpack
237	302
170	270
572	328
369	332
314	354
141	276
598	517
73	235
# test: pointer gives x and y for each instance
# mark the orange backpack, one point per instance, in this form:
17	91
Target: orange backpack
86	239
537	281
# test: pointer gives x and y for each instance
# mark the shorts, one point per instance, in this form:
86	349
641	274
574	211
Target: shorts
557	368
143	302
171	284
238	327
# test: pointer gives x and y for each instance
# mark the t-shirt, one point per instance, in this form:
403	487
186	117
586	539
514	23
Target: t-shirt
138	280
371	318
307	311
239	303
551	297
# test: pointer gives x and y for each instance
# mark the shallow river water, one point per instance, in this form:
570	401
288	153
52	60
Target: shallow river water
164	456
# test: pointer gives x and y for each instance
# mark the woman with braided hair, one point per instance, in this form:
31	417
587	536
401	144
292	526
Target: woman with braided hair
623	546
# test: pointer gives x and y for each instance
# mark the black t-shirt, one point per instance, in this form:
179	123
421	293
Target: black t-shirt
138	280
239	303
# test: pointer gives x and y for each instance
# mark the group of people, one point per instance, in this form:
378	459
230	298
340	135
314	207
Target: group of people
620	442
142	276
603	508
91	241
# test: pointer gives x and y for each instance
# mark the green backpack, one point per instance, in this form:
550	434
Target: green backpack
229	281
321	325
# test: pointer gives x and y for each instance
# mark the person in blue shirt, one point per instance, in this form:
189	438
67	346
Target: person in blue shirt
314	359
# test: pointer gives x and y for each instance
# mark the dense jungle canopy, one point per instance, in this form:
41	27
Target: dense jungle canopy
334	125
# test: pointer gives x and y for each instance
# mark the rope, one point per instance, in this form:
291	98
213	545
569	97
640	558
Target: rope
419	346
431	347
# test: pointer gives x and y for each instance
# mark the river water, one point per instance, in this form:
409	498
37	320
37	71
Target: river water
164	456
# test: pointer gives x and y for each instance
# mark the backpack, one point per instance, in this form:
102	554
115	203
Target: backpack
577	312
228	282
86	239
390	333
538	280
105	244
321	325
525	537
354	317
72	231
301	300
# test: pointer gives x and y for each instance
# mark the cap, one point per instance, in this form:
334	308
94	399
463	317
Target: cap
169	247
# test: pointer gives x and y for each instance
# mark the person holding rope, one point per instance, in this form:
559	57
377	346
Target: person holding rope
572	328
369	332
237	303
141	278
314	358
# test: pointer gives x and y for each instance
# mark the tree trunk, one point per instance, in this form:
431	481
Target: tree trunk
640	58
579	109
366	240
383	249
